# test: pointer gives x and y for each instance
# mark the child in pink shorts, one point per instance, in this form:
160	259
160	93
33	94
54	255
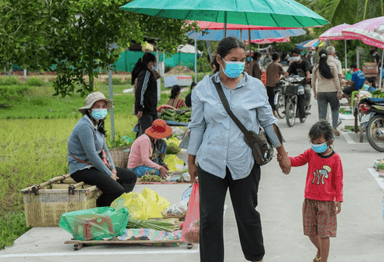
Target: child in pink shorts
323	190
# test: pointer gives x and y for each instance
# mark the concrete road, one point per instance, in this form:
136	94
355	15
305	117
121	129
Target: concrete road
360	224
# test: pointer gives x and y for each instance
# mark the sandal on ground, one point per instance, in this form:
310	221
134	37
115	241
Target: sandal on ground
336	133
317	259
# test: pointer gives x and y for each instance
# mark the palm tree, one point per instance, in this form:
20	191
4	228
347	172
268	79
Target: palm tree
345	11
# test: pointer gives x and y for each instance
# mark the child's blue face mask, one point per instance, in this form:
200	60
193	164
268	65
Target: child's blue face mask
233	69
319	148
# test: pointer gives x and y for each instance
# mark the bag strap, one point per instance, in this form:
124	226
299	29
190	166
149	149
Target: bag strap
79	159
230	113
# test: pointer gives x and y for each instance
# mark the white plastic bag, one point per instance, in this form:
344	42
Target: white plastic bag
178	208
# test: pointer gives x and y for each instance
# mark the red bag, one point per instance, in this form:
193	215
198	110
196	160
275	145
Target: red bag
191	228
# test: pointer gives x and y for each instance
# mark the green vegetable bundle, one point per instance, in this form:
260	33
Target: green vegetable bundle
377	94
171	115
153	224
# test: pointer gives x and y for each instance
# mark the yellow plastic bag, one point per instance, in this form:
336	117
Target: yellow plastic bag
174	163
155	203
142	206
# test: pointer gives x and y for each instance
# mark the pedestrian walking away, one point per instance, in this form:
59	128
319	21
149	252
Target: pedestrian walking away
274	72
146	93
323	189
88	156
326	89
225	160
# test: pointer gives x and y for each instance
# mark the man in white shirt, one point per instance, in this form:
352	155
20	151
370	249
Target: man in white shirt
331	58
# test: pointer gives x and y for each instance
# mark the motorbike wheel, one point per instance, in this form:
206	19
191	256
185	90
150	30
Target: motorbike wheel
280	105
290	113
375	132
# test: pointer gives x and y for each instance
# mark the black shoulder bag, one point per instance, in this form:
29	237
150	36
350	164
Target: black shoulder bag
262	149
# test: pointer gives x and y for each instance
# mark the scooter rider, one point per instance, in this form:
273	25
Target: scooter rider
298	64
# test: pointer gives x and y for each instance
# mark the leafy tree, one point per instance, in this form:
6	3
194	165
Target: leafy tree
77	37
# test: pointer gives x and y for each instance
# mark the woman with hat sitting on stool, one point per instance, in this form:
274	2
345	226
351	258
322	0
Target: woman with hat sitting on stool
148	151
85	145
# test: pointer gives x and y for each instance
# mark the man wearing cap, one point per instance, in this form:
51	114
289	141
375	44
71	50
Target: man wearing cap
148	151
298	64
88	156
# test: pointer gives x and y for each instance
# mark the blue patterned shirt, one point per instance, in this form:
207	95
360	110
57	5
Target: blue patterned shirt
215	139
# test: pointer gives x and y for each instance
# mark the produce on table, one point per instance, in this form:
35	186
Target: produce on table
150	178
178	116
173	146
377	94
168	225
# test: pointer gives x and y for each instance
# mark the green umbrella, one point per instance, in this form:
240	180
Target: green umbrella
276	13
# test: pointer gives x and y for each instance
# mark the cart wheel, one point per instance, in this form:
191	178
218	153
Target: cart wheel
78	246
190	246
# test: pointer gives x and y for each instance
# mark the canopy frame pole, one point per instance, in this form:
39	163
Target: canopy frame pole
110	87
345	42
195	61
381	70
249	39
225	24
241	34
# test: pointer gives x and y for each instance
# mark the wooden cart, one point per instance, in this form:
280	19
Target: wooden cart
78	244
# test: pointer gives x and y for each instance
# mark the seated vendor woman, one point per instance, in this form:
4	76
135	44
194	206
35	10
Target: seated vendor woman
86	160
174	99
148	151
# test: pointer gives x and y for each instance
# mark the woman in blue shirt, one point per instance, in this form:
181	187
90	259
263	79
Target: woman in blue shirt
85	145
225	161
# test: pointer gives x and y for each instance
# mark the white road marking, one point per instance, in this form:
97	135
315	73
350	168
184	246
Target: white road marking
350	140
77	253
378	179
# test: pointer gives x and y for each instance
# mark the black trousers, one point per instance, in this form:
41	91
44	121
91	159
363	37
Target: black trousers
145	122
271	96
111	189
244	200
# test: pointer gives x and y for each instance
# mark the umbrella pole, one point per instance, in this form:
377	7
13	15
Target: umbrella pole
345	42
381	70
249	39
225	24
195	61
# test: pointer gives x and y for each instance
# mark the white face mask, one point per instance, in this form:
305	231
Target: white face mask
296	58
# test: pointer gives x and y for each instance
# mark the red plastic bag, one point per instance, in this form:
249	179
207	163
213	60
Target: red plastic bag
191	228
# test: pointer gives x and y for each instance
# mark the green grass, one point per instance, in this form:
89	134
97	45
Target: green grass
33	140
12	225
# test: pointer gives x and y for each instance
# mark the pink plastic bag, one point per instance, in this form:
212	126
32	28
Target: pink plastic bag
191	228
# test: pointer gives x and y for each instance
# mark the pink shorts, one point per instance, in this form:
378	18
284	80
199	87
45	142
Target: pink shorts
319	218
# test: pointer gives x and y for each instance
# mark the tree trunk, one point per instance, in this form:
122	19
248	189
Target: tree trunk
90	75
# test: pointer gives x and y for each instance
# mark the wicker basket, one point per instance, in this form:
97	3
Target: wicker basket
291	90
45	203
120	156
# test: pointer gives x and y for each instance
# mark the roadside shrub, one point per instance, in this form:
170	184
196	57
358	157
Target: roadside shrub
11	94
167	68
117	81
35	81
7	81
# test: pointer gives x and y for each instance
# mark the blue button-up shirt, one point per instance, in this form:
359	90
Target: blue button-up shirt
215	139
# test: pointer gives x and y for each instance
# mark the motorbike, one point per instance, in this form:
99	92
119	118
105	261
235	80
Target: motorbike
375	127
279	99
294	100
